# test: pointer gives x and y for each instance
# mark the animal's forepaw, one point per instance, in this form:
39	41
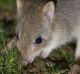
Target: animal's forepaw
75	69
45	54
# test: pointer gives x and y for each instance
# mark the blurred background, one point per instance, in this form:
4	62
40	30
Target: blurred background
8	57
59	63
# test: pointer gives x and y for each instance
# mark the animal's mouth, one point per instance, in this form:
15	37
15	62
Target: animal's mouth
30	58
26	61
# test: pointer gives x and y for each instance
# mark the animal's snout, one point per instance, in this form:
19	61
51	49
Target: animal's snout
26	60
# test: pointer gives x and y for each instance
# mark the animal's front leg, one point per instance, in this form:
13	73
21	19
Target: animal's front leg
75	69
46	52
48	49
77	52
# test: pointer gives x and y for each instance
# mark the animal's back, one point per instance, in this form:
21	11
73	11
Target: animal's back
69	12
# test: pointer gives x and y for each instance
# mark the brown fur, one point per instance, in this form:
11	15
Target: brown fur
36	18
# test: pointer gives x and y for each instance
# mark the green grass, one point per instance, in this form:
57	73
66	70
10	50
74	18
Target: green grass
8	64
9	61
57	63
7	4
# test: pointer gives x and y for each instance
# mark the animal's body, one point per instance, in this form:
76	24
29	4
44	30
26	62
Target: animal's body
42	27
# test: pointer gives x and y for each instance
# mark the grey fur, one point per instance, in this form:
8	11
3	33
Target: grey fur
64	27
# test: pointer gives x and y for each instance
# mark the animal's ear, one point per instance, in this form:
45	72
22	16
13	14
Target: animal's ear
19	4
48	9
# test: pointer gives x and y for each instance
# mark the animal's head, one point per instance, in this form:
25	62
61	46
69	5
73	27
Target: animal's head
35	18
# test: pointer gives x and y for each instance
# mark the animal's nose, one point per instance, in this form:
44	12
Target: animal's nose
26	61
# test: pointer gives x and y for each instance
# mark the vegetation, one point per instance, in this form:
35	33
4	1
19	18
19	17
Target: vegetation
7	4
58	62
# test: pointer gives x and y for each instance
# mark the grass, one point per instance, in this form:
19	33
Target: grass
58	62
8	64
7	4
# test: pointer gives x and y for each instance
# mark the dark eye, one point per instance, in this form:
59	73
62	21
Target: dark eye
38	40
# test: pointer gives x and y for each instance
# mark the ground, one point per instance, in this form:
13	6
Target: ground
59	62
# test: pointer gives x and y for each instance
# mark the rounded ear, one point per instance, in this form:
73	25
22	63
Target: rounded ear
48	9
19	3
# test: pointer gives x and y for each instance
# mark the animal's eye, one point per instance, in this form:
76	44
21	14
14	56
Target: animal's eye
38	40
